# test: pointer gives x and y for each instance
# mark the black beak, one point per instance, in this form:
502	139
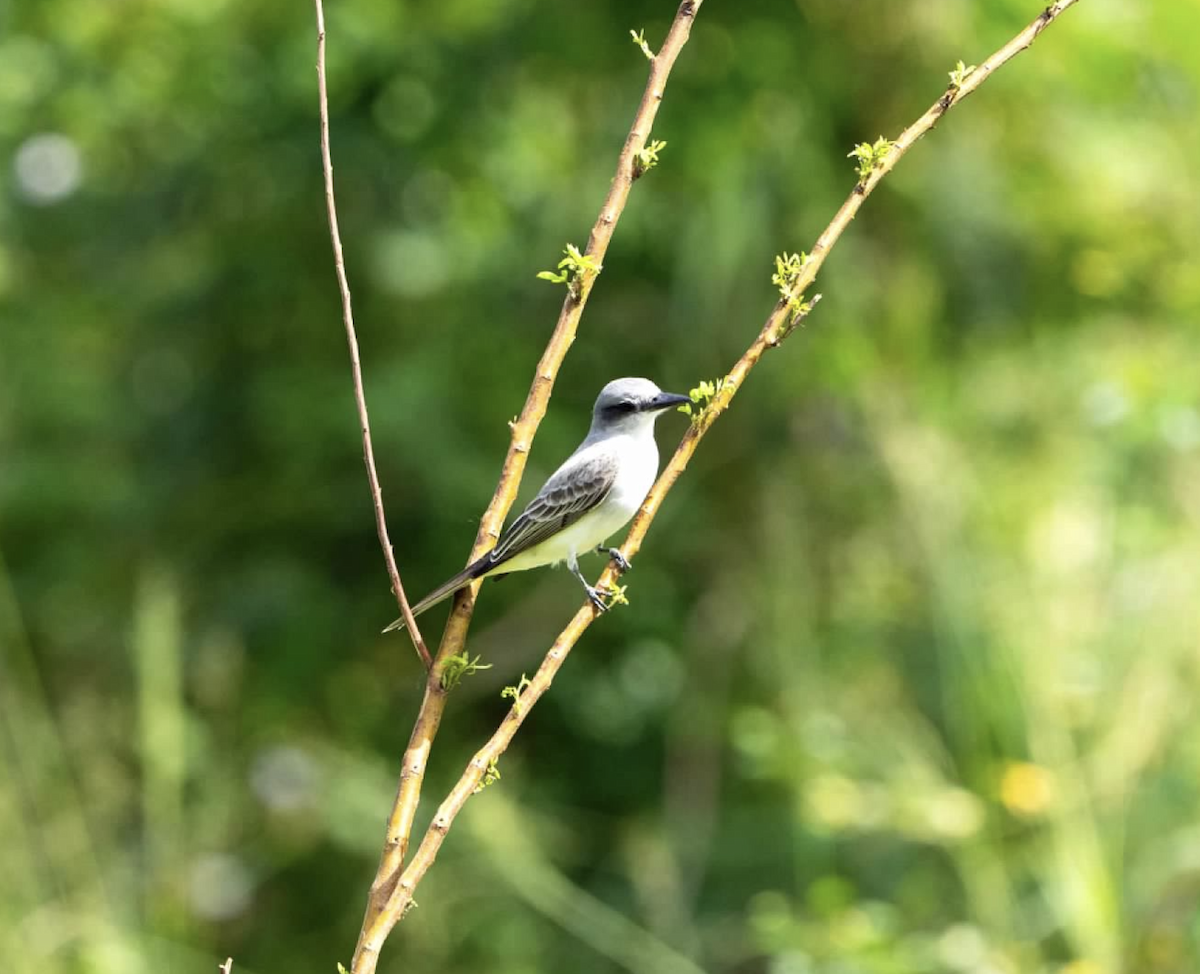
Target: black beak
664	400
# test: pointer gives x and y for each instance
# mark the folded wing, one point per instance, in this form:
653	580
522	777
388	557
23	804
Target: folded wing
578	486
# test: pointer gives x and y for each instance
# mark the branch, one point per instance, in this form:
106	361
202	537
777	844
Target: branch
778	325
523	430
360	397
380	917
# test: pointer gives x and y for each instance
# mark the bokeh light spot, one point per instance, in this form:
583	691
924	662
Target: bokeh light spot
48	168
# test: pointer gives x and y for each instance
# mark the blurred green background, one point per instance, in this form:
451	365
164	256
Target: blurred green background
908	679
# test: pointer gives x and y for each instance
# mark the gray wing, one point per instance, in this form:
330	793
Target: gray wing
575	488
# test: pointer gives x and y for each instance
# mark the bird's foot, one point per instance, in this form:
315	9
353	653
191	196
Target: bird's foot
619	559
596	598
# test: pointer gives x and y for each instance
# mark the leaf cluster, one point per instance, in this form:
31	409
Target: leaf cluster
959	75
646	158
702	397
459	666
572	269
514	693
869	156
490	776
787	273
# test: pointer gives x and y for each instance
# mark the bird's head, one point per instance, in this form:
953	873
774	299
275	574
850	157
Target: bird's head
632	403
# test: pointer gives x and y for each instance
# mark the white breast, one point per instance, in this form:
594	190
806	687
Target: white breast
639	467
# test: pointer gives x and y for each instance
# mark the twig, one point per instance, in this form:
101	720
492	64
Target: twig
226	967
360	397
773	332
379	918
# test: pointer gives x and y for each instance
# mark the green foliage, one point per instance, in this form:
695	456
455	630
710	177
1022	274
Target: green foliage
571	269
616	595
959	74
646	158
639	38
787	273
514	692
490	776
702	397
869	155
459	666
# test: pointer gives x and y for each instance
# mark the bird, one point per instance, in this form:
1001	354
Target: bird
593	494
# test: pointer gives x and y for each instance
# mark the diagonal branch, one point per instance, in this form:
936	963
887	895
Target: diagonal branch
379	919
523	430
360	396
774	331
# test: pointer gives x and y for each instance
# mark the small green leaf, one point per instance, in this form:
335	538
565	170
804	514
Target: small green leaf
959	74
616	595
788	268
870	156
787	271
702	397
571	269
459	666
647	158
639	38
514	693
490	777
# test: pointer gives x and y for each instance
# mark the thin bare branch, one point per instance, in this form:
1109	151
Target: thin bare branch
773	332
360	397
379	921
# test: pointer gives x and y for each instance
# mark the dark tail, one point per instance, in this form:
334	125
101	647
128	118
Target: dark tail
445	590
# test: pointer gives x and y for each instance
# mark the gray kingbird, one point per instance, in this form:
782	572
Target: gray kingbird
592	495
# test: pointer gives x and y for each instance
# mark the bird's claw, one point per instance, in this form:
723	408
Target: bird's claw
596	599
619	559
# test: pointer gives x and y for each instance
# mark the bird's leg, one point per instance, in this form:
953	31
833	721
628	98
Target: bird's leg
615	554
593	596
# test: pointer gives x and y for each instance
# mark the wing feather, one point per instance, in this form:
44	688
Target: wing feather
577	487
